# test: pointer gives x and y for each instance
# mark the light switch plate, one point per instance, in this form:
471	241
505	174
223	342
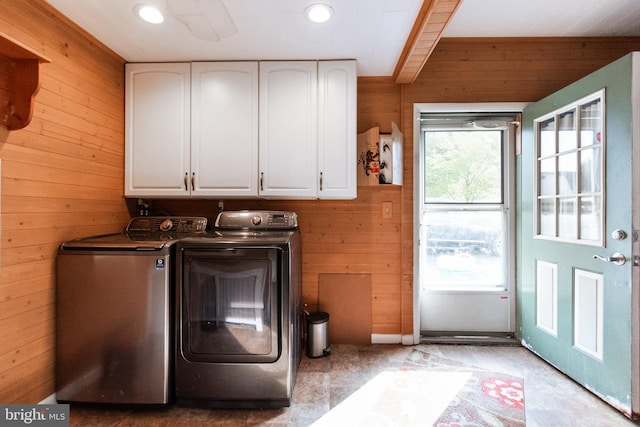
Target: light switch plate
387	210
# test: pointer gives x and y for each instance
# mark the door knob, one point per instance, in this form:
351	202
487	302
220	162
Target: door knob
619	234
616	258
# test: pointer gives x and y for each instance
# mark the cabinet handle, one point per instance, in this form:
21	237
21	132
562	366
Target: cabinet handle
193	181
186	185
261	181
320	181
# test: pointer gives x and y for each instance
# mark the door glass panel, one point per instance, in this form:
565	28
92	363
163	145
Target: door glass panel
464	249
577	184
547	131
464	219
567	219
547	209
590	179
591	218
548	177
591	123
567	175
567	133
463	167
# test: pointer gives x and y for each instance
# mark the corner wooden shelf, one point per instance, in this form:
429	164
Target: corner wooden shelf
19	82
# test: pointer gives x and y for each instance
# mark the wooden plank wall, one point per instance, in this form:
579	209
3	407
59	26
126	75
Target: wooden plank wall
62	177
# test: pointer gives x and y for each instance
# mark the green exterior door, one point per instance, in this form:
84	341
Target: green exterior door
578	207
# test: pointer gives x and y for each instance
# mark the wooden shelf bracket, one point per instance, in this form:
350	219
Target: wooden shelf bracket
19	82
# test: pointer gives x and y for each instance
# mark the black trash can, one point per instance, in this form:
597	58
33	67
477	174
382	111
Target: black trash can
317	334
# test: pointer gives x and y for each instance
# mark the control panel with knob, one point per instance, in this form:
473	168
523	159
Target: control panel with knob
166	225
256	220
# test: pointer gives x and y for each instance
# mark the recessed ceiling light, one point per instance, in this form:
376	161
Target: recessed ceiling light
149	13
318	12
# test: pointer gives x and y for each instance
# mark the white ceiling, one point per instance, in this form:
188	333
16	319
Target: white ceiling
371	31
545	18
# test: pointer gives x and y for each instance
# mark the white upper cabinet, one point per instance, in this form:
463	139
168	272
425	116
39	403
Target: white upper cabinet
337	128
157	129
224	129
272	129
288	129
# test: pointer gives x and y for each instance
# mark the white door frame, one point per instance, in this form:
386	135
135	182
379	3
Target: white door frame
418	108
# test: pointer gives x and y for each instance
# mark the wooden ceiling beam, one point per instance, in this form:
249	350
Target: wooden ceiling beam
433	18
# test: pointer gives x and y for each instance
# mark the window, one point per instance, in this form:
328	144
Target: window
569	172
464	213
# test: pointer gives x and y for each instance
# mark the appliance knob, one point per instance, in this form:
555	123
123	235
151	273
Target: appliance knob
166	225
256	220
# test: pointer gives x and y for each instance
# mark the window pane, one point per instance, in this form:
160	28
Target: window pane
548	177
547	137
547	211
590	218
463	167
464	248
567	218
591	123
590	166
567	174
567	134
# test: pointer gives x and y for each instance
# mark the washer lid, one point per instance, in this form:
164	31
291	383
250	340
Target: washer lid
144	233
119	241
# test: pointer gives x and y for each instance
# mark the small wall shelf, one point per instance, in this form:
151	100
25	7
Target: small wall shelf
19	82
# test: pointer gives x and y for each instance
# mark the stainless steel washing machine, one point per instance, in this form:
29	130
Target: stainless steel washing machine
113	313
239	312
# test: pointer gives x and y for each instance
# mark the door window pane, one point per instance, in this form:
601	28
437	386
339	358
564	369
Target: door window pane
590	179
567	173
590	218
547	135
463	167
548	177
567	219
464	249
570	197
591	122
567	134
547	211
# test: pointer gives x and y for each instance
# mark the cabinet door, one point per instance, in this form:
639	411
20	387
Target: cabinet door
337	129
288	129
224	132
157	127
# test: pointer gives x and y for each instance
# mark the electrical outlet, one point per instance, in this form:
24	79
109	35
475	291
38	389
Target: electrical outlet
387	210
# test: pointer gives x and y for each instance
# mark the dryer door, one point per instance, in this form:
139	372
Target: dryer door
229	304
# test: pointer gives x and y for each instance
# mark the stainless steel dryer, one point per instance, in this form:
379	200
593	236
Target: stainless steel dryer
239	312
113	313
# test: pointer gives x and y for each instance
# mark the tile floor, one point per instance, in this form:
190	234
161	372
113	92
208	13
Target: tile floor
552	400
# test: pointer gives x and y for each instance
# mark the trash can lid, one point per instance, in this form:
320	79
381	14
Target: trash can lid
318	317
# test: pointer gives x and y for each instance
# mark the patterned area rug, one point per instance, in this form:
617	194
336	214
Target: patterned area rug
429	390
